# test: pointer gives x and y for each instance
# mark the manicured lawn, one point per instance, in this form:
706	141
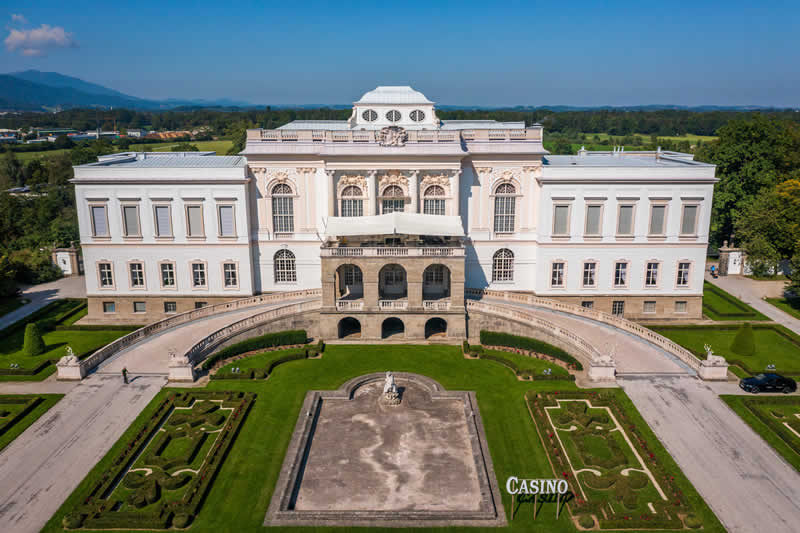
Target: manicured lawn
529	364
769	416
60	313
242	490
791	306
720	305
258	361
9	304
774	345
10	429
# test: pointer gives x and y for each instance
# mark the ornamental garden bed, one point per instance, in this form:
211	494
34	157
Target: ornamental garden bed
18	411
160	478
776	419
618	474
773	345
720	305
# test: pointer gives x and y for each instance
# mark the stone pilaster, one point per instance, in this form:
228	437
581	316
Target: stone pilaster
372	193
331	192
456	192
413	191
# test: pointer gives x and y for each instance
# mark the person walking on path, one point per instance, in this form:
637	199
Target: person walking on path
125	375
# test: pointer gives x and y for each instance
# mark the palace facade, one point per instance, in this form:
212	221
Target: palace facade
395	215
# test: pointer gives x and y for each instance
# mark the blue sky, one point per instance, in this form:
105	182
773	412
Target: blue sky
458	53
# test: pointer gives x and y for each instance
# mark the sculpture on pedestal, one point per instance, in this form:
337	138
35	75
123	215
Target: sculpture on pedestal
391	396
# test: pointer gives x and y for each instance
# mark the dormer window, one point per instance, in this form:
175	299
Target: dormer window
417	115
393	115
369	115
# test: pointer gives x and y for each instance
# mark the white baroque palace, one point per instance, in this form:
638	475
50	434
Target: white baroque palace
394	213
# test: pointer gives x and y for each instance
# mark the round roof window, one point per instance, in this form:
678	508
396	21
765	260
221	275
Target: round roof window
369	115
393	115
417	115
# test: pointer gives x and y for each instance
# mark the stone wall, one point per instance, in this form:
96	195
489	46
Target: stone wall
308	321
154	305
634	306
413	322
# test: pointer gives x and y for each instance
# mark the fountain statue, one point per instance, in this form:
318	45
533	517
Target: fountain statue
391	396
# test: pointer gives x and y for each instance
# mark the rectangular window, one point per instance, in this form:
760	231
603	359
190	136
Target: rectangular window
170	307
130	220
504	207
434	274
352	275
137	275
658	215
651	276
625	220
198	274
587	304
139	307
194	221
230	274
109	307
99	221
649	306
557	276
561	220
620	274
589	270
352	208
392	206
163	222
683	274
433	207
689	220
227	226
167	275
593	220
200	305
106	275
680	306
283	214
618	307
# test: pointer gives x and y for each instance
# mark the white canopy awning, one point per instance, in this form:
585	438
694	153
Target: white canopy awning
395	224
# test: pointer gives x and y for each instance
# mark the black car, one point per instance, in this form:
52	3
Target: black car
768	383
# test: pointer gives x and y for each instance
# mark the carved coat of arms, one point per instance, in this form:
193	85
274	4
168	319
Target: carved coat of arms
391	136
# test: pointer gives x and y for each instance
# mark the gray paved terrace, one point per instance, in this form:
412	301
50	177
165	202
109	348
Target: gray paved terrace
44	293
752	293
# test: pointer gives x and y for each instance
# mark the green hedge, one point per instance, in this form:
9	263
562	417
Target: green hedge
746	311
60	309
494	338
270	340
8	424
97	327
262	374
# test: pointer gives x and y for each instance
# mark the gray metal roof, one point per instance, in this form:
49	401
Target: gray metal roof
393	94
169	160
480	125
622	159
340	125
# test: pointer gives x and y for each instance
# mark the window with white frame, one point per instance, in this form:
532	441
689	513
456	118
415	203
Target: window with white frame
194	221
681	306
433	202
620	274
557	275
230	275
227	221
683	274
589	271
658	215
106	274
651	275
352	202
170	307
618	307
139	307
393	200
99	221
649	306
285	269
561	220
625	220
137	275
689	220
282	209
163	221
505	199
130	221
594	220
503	265
167	275
109	307
198	274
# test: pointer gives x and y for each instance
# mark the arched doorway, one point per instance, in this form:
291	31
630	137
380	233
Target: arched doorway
349	328
392	327
435	327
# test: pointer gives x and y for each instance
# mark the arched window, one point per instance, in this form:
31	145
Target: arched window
504	201
503	265
285	270
282	209
352	202
433	202
393	200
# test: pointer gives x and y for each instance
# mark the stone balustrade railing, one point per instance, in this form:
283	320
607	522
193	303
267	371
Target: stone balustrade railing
436	305
394	251
148	331
393	305
197	353
642	332
414	136
349	305
580	348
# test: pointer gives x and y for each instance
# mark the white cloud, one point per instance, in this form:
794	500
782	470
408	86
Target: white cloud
38	41
15	17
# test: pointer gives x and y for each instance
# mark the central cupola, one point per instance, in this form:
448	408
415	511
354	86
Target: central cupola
393	106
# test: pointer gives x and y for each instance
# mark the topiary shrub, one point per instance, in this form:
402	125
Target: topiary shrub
33	344
72	521
744	343
693	521
586	521
181	520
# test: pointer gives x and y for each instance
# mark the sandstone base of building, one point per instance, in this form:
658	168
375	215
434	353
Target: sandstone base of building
373	325
124	313
665	308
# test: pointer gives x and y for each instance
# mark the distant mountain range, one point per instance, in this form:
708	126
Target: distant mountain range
33	90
